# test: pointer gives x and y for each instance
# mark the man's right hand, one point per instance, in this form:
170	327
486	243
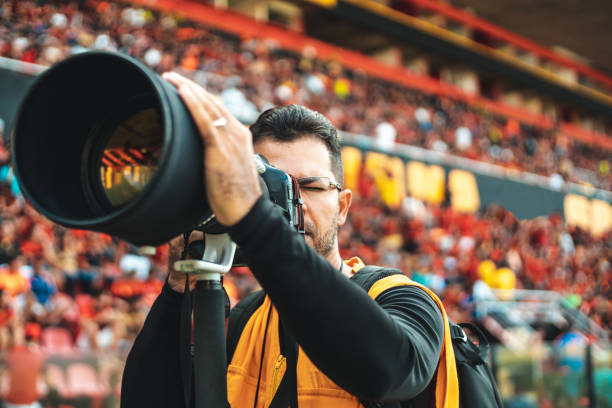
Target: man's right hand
176	279
232	183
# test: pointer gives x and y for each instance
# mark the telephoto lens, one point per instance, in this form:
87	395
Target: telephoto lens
103	143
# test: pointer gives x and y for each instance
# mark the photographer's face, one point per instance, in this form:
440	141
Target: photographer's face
324	210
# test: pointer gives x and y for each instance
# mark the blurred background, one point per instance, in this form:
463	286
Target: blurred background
477	137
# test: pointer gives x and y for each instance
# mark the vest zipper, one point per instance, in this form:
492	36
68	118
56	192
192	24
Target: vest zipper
275	376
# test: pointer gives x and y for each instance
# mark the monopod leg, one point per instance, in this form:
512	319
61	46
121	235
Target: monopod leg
209	345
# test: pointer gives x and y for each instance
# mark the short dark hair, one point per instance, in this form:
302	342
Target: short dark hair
290	122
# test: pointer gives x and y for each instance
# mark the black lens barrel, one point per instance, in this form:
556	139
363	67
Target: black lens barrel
56	127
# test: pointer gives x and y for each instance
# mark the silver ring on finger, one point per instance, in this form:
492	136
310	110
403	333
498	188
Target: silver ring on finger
219	122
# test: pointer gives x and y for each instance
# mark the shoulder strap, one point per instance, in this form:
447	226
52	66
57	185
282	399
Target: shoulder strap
367	276
471	355
475	354
239	317
447	387
286	394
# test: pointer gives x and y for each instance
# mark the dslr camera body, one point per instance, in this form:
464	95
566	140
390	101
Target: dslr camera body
214	252
283	190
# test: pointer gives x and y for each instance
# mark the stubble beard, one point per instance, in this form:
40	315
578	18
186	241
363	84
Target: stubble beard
325	242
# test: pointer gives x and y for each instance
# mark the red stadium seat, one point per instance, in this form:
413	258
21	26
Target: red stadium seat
57	340
83	381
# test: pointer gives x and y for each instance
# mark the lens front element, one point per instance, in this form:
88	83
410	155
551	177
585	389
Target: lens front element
131	156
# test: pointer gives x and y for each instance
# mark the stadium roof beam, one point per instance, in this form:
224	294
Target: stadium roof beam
346	34
230	21
412	30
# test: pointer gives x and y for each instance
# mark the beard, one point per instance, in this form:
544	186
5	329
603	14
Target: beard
323	241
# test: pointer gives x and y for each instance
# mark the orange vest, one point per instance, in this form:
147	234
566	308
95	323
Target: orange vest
315	389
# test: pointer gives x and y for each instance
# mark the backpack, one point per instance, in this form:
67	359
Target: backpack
477	386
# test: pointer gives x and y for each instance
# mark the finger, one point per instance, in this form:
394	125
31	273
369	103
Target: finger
218	110
218	106
179	80
175	79
213	110
196	236
176	240
200	115
202	95
214	113
221	111
215	102
172	78
213	106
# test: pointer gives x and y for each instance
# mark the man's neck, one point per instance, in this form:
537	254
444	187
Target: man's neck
334	258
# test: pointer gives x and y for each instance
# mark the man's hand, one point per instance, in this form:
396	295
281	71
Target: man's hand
232	184
176	279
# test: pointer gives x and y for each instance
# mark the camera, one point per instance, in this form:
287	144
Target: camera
279	187
103	143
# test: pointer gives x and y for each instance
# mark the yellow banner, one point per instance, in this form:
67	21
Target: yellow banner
590	215
395	180
324	3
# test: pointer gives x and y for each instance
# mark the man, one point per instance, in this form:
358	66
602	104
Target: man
352	347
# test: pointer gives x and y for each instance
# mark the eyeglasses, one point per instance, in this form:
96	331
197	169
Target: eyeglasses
318	183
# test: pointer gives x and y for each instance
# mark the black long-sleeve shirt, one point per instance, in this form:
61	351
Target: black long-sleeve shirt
385	349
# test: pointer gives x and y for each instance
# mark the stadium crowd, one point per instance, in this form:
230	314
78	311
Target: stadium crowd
97	290
255	73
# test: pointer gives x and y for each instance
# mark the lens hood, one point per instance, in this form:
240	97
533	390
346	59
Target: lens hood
63	125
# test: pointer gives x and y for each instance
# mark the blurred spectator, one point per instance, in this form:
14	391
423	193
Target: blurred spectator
236	101
253	74
385	134
11	280
463	138
24	369
97	290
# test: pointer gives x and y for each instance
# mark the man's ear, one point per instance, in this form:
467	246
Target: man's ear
345	197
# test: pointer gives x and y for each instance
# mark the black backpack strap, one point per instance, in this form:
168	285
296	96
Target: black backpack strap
483	347
239	317
367	276
286	394
468	354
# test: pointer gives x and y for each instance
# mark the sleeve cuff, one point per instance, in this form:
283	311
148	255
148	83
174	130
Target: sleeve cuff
247	226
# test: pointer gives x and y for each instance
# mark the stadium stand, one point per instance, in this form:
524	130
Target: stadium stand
260	72
255	70
78	290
